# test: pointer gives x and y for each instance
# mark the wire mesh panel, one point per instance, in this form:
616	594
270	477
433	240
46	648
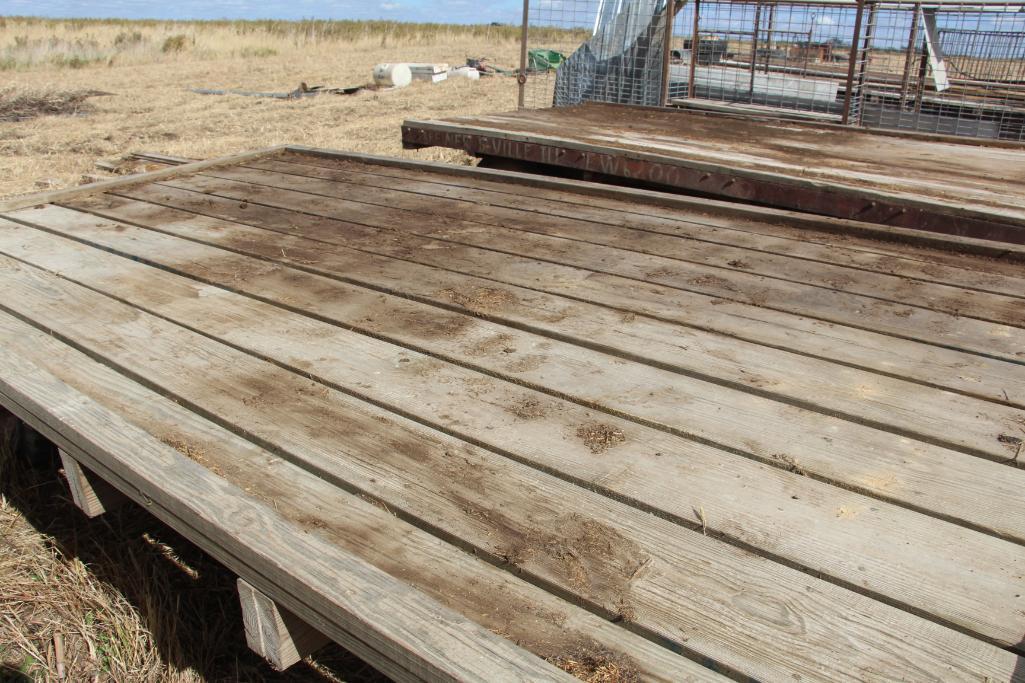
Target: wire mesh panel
787	56
949	69
609	51
934	67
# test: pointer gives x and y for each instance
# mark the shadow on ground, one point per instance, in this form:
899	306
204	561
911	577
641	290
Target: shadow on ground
186	601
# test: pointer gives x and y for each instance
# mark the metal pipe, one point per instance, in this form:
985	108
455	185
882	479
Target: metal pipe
866	51
667	52
695	41
772	22
909	56
845	117
754	51
522	79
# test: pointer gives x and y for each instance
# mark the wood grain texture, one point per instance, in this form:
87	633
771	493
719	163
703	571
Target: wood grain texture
880	236
975	193
426	640
273	632
503	416
736	286
125	181
537	620
576	240
831	307
702	224
754	615
92	495
906	409
565	301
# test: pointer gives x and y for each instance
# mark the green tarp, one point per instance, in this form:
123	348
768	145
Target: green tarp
544	60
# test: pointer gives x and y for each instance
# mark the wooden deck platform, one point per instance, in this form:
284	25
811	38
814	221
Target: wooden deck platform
951	185
477	425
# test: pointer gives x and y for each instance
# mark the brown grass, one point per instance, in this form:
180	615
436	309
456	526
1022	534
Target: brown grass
125	597
152	109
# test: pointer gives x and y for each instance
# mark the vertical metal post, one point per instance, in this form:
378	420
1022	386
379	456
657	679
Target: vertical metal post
754	50
866	51
694	46
769	46
667	51
851	62
522	79
909	56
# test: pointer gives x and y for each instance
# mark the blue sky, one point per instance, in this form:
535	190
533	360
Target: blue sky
454	11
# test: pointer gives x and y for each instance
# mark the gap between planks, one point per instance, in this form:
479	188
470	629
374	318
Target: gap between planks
667	559
550	626
268	325
404	331
641	231
830	306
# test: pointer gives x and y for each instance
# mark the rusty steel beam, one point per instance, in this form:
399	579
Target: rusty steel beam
837	202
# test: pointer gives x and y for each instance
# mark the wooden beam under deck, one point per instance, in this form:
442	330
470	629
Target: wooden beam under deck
688	438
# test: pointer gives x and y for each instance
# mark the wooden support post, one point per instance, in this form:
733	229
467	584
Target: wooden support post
92	495
273	632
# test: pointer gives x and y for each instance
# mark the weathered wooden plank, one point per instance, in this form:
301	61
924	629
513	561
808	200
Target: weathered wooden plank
931	479
873	462
782	621
426	640
971	206
775	370
70	193
577	232
884	537
91	495
864	239
677	324
382	224
706	222
273	632
548	626
875	237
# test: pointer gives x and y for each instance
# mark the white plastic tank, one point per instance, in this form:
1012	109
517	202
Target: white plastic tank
465	72
397	75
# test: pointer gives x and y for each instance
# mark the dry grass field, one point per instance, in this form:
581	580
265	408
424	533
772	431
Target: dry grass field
149	68
122	597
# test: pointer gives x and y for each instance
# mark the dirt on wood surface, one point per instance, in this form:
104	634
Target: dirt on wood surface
986	171
528	409
21	105
600	437
592	663
481	299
